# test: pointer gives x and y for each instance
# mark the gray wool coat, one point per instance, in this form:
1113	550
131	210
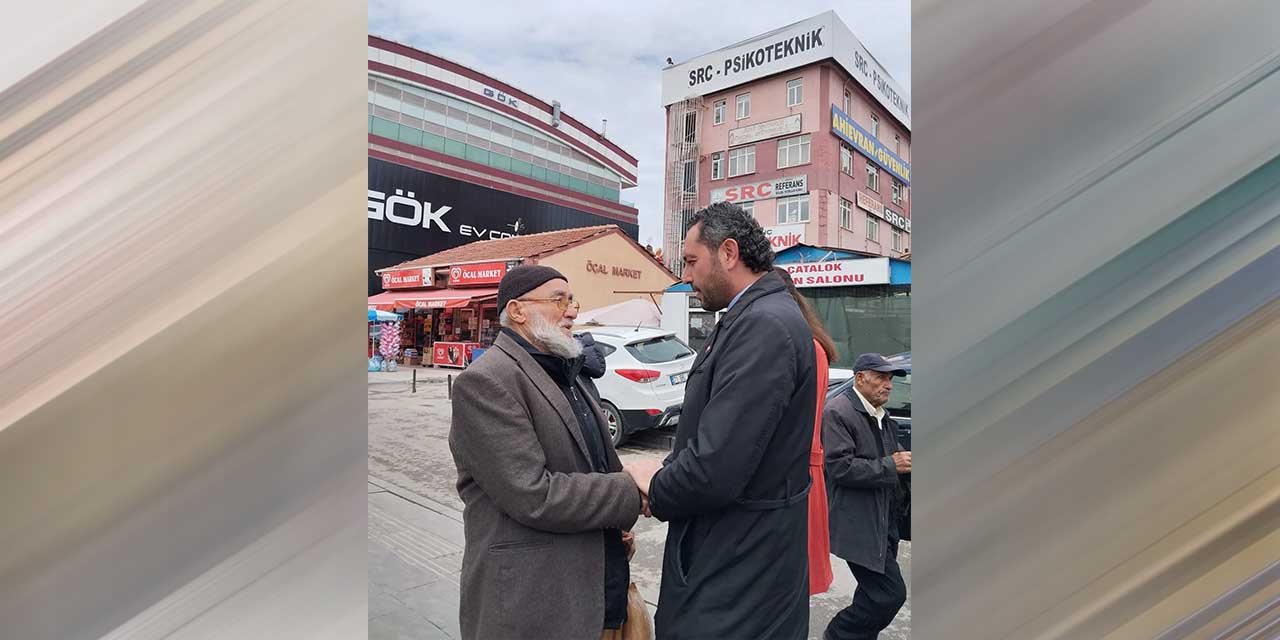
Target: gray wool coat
533	565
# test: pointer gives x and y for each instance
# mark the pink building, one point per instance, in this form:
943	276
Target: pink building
801	127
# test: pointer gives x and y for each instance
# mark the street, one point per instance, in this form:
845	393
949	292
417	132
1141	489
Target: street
415	530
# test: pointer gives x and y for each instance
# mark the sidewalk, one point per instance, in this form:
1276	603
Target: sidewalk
415	556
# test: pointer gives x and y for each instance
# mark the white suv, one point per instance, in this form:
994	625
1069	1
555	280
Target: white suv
643	385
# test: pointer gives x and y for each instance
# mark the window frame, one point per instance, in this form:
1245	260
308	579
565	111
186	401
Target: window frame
846	214
738	102
718	110
875	126
799	91
846	153
743	151
802	200
717	165
873	229
689	176
804	152
873	177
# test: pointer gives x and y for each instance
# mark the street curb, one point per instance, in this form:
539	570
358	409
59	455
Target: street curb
422	501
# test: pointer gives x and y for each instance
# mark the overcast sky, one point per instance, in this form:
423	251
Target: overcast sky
605	59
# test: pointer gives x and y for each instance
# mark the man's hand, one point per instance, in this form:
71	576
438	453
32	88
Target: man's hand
902	460
642	471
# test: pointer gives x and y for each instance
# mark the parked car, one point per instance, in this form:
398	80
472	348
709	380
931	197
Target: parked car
643	385
899	405
837	377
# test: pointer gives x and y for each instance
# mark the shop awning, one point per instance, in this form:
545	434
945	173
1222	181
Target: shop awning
429	298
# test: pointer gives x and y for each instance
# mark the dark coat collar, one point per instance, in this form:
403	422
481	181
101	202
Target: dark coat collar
769	283
563	370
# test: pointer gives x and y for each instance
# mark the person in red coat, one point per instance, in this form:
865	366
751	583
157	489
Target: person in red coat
824	348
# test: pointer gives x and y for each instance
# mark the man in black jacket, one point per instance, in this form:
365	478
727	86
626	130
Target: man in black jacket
863	470
734	489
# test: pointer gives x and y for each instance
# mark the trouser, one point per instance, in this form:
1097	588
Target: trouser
875	603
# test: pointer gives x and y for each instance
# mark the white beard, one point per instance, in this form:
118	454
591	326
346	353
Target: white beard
550	337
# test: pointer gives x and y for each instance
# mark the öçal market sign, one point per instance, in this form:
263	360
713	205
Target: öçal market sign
840	273
478	273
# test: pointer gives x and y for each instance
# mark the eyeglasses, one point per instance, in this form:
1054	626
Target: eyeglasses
562	303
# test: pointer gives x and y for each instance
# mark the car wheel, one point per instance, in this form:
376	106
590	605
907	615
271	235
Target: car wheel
613	421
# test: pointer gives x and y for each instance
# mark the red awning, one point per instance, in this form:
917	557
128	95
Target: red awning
429	298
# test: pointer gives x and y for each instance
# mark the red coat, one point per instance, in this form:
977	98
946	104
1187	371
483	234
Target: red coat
819	542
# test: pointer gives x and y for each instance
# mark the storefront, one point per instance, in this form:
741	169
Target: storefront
450	298
864	303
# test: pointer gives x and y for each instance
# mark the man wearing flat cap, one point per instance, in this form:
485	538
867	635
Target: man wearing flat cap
545	499
864	466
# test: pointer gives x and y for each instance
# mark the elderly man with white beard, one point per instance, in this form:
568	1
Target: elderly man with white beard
547	506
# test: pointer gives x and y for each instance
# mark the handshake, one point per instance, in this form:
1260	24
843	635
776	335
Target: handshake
642	472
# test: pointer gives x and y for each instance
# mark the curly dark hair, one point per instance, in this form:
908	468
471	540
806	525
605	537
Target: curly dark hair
722	221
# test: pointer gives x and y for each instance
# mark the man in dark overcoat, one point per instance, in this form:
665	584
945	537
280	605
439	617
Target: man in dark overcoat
734	488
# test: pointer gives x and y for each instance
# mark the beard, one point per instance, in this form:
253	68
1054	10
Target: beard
552	338
714	292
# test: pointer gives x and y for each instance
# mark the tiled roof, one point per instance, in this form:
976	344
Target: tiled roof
530	246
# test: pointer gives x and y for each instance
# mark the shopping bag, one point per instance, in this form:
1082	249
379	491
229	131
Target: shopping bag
639	626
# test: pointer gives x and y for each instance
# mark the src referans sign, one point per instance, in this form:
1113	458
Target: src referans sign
778	188
840	273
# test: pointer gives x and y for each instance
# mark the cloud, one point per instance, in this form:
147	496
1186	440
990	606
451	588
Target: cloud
604	60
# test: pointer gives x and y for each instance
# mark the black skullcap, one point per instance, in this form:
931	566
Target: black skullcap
522	280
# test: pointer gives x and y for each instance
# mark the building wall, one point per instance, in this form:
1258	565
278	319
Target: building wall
467	210
582	265
825	84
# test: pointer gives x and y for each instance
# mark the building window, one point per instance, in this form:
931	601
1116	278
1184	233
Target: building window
897	144
795	92
897	193
875	126
749	207
717	112
691	176
717	165
897	240
744	106
742	161
846	159
691	127
847	100
873	177
793	209
873	229
846	214
793	151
